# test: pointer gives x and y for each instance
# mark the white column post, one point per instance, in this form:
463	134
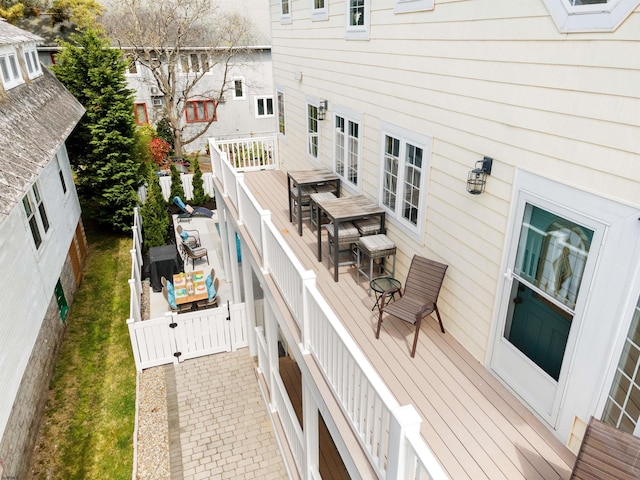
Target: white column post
403	420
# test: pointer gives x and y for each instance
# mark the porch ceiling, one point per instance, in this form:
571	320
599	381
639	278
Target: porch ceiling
473	424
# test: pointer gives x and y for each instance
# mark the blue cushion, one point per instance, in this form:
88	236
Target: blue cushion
209	281
211	290
170	288
184	235
171	298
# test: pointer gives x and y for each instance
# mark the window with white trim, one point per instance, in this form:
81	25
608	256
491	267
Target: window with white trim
36	214
589	15
264	106
319	10
406	6
280	100
404	174
60	173
357	19
194	63
32	62
238	88
313	139
10	71
346	162
285	11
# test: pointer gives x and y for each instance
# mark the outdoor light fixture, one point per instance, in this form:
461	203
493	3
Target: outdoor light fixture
478	176
322	110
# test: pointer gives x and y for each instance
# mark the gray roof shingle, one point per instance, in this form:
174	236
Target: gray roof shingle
35	119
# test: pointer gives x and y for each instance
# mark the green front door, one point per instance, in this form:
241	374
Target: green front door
539	329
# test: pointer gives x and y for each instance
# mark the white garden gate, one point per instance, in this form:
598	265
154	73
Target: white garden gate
178	337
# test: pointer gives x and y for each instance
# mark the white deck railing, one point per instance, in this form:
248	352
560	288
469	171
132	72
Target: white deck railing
289	422
257	153
388	432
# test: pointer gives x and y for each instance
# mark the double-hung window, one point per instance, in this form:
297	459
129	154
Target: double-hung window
319	10
313	140
280	99
32	62
358	12
238	89
36	214
10	71
60	173
404	174
200	111
264	106
346	162
285	11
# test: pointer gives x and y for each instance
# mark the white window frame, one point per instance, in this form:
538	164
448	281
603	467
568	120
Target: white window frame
312	134
319	13
233	88
358	32
63	180
10	68
405	137
265	99
32	62
36	204
601	17
285	17
129	58
344	142
407	6
281	108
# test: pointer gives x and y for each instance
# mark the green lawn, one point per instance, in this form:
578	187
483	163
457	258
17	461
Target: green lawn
87	431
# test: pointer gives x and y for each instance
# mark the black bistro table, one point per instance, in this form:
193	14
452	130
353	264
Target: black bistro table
164	262
382	284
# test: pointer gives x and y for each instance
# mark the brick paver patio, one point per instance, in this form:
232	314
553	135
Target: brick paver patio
218	423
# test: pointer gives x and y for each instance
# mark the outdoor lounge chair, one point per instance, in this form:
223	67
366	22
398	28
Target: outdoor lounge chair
192	211
419	297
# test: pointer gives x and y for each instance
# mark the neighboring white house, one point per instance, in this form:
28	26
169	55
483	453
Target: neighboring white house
543	283
247	106
42	242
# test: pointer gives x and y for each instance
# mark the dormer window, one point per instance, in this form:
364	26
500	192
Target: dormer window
32	62
10	70
590	15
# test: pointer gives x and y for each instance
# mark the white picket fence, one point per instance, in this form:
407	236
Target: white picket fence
389	432
178	337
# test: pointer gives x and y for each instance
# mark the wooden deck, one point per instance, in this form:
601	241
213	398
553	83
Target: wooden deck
473	424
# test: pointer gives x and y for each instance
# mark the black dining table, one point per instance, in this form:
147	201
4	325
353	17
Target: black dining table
346	209
164	261
314	180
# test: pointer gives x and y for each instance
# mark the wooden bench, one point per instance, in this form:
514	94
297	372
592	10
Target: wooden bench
607	453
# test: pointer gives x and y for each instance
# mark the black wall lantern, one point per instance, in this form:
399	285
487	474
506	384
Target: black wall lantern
322	110
478	176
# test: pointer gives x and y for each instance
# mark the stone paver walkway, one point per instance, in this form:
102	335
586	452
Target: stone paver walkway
218	423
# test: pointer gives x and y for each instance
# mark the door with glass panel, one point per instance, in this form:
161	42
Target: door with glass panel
550	267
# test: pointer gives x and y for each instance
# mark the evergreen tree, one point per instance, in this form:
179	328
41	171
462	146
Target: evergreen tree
103	144
155	219
176	184
199	197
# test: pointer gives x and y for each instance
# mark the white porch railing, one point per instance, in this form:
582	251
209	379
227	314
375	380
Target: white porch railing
387	431
289	422
257	153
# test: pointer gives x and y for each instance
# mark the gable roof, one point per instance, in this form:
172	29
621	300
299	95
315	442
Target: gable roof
35	119
11	35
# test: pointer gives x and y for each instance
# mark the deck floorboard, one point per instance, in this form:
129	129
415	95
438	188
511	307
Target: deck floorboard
476	428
